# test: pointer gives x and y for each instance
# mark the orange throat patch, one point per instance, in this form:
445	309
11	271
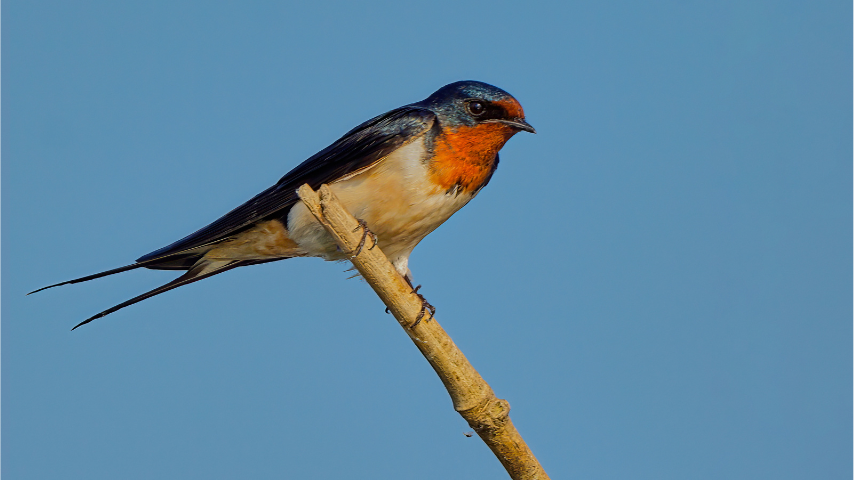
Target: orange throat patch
465	157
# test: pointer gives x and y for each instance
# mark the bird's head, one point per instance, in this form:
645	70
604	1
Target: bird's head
470	104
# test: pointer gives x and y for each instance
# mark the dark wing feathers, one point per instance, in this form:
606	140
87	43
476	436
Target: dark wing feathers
358	148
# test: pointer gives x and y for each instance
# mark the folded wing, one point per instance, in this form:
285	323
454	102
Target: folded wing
358	148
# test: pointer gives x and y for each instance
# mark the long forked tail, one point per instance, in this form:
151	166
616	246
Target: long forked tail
93	276
198	272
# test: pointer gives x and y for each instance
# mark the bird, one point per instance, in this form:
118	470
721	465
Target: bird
402	174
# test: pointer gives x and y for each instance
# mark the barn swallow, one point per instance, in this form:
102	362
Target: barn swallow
402	173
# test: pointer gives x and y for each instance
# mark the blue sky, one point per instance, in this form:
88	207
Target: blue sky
659	281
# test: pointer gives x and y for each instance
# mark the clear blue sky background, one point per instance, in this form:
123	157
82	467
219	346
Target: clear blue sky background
659	282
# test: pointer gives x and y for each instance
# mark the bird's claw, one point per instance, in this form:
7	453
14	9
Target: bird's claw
365	232
425	307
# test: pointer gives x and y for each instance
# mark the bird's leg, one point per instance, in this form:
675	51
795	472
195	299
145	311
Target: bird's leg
365	232
425	305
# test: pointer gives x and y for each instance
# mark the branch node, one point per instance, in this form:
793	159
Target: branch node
489	415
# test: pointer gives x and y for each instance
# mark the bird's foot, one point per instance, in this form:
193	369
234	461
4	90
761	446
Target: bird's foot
365	232
425	307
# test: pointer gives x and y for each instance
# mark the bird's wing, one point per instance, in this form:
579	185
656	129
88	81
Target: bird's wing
359	148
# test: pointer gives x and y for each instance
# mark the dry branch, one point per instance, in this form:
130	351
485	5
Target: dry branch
472	396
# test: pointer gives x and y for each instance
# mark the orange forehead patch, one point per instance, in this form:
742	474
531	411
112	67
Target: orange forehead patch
512	106
466	156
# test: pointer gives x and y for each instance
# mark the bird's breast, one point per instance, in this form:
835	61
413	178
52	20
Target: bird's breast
397	197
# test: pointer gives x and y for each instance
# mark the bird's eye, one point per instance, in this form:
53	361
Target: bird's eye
476	108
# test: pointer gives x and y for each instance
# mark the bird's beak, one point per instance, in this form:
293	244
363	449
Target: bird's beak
519	123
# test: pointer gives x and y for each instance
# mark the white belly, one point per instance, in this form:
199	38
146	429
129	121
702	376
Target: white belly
396	199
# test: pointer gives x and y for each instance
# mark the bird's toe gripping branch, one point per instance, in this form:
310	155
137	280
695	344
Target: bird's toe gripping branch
365	232
425	307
